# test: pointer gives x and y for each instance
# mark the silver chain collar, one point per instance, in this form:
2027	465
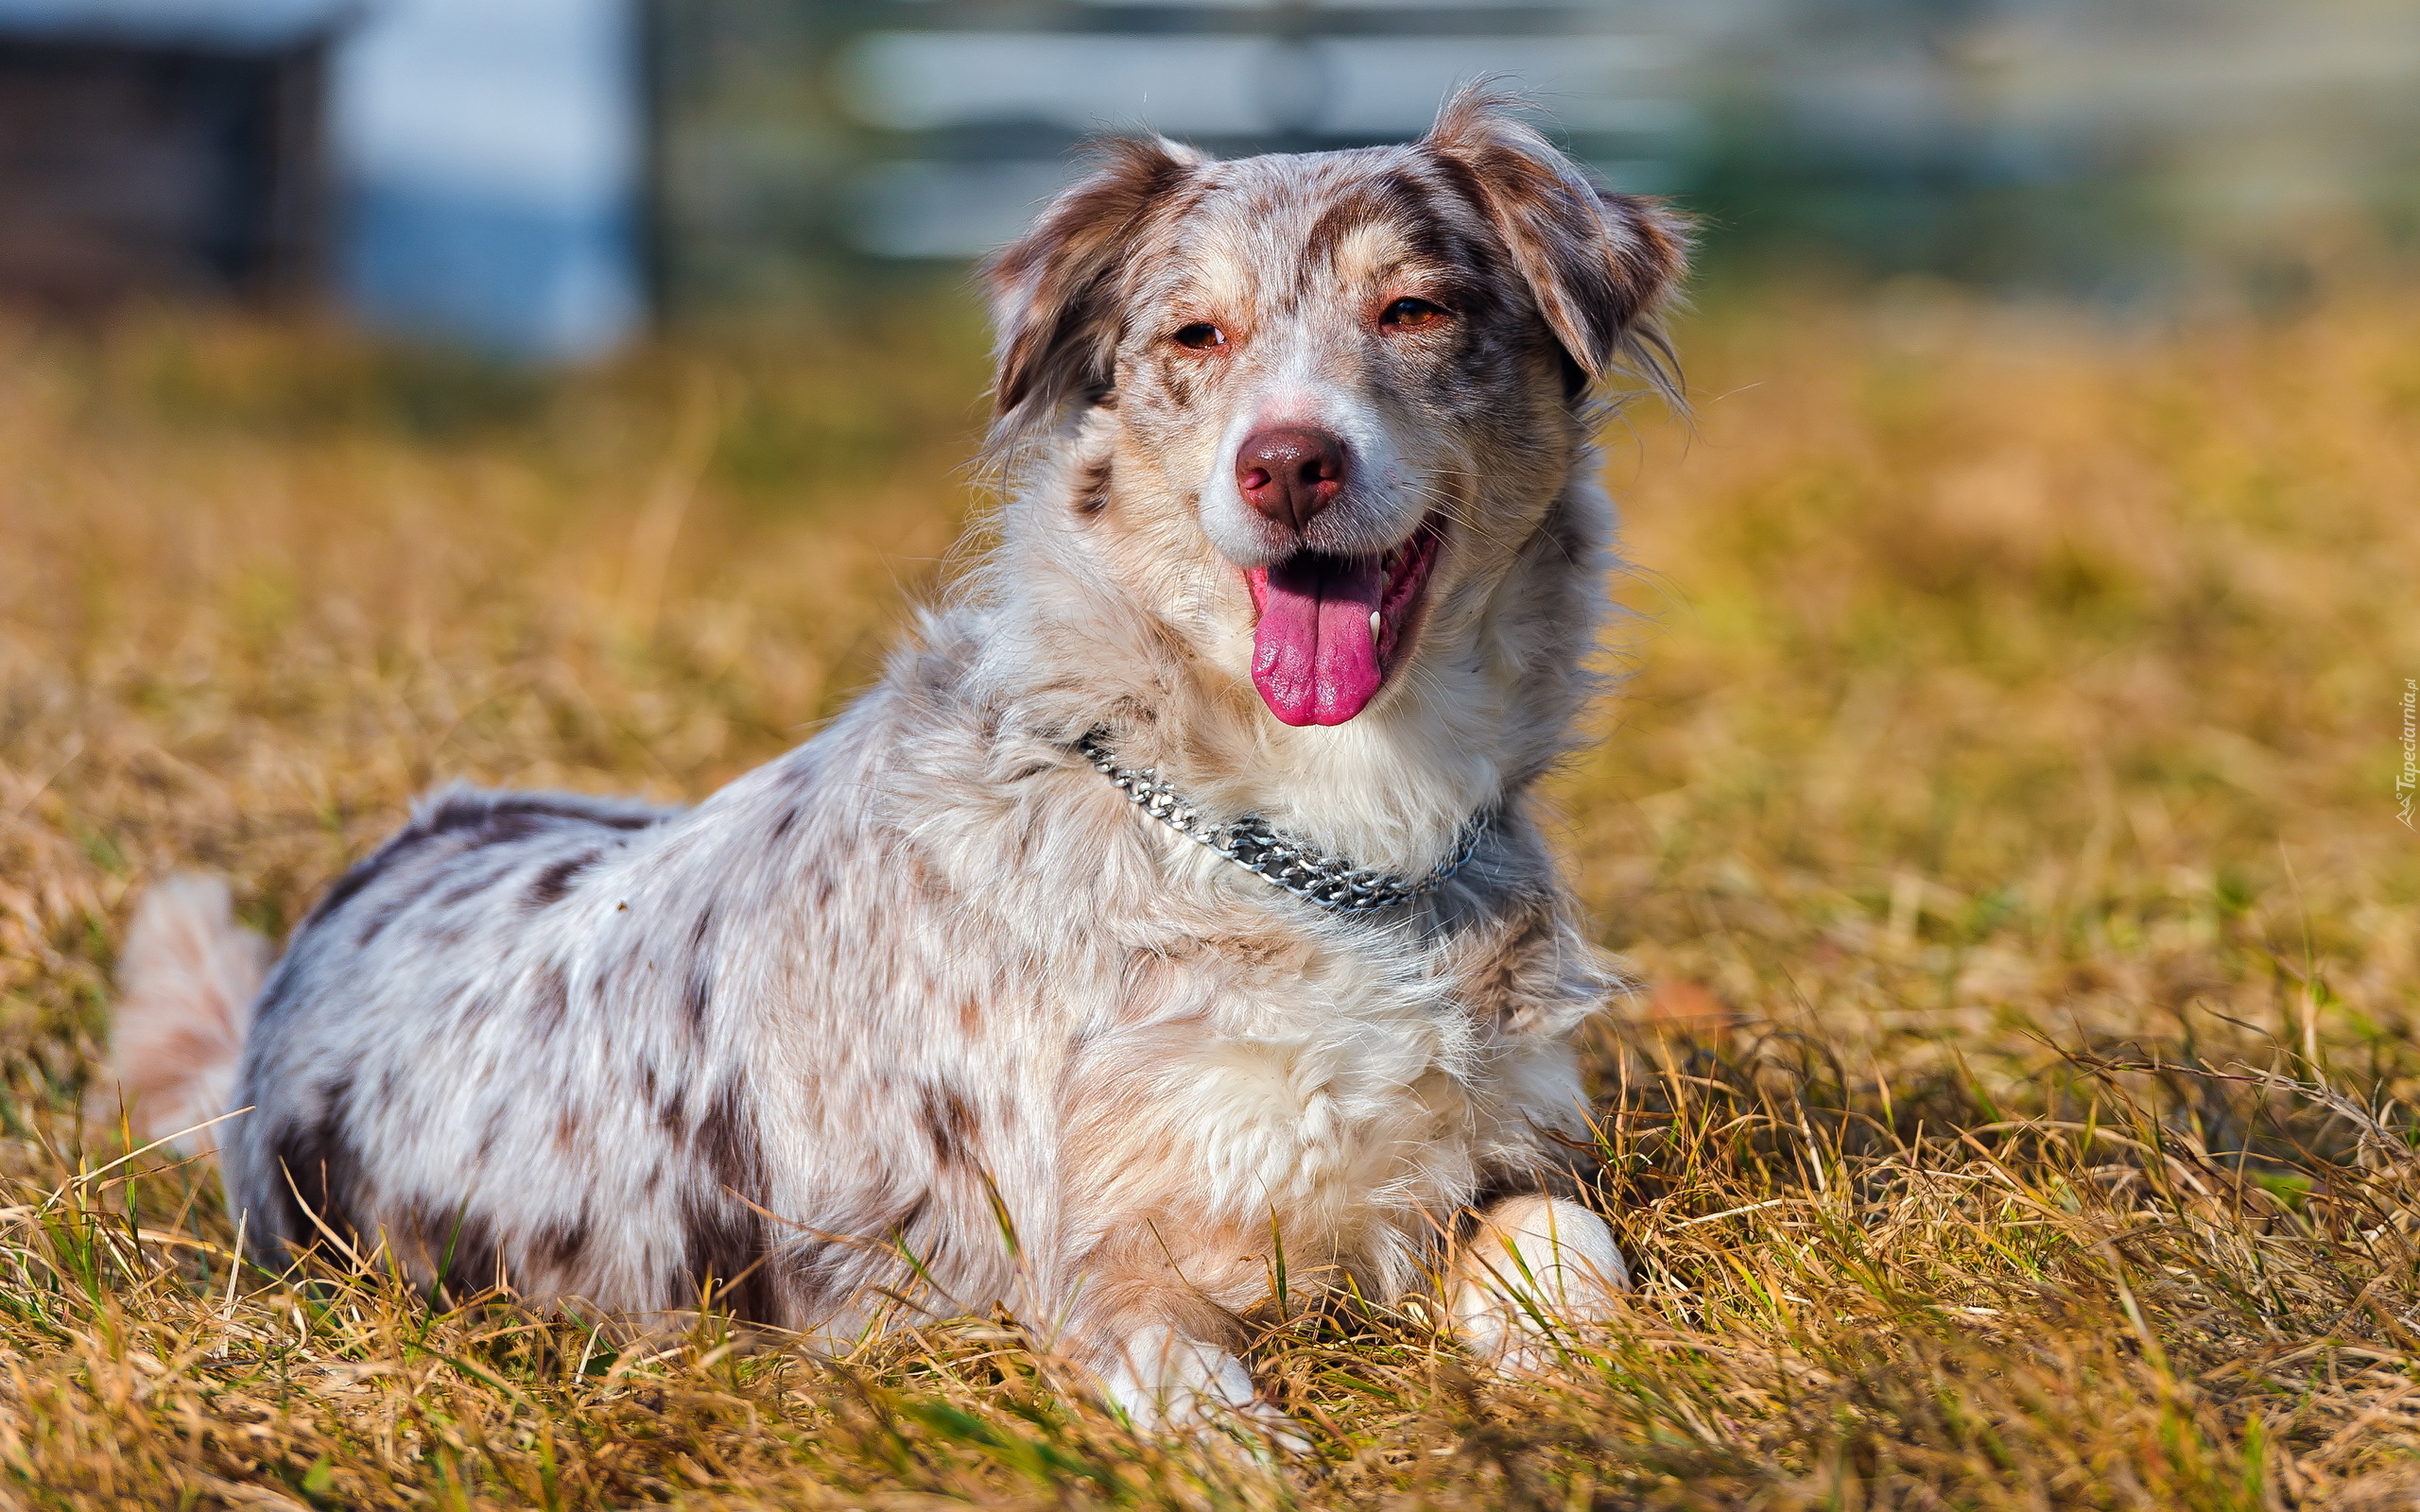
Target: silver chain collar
1331	881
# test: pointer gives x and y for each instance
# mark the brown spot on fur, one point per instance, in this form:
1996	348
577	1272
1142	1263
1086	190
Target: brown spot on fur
672	1116
949	1123
697	998
383	915
549	887
561	1245
921	878
725	1240
361	874
458	1251
1091	487
455	897
727	1141
470	821
1274	950
724	1249
1499	981
511	812
317	1174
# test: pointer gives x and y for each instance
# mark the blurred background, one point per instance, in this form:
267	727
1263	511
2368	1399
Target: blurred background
579	393
546	179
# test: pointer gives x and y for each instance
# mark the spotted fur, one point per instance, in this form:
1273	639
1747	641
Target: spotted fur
925	1009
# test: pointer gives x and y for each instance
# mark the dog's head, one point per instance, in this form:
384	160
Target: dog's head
1310	400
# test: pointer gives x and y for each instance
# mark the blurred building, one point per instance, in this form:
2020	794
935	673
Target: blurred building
466	170
491	154
175	153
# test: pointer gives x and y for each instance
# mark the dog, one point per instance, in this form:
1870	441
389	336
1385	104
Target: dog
1173	911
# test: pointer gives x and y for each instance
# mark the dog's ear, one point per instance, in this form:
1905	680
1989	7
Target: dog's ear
1054	292
1598	264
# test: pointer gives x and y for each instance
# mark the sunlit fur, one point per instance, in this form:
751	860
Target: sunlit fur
926	1006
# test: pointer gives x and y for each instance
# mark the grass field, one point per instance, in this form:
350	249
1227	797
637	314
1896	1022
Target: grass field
2001	819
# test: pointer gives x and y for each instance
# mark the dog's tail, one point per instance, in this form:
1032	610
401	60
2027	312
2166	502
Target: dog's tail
186	981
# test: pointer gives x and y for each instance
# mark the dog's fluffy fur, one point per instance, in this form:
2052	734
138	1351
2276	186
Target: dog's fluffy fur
928	985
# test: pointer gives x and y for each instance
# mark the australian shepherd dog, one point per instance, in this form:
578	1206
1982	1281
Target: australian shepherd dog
1177	894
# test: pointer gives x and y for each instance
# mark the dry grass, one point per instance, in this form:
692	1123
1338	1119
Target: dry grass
2003	816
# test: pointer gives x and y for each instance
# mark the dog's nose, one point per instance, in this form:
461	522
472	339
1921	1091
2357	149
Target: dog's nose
1290	472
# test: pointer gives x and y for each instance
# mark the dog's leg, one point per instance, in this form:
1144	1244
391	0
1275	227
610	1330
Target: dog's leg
1163	1354
1164	1380
1533	1265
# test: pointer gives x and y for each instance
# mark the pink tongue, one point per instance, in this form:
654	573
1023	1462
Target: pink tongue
1311	654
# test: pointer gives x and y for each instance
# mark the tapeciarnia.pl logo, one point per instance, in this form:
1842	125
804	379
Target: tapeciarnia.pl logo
2408	779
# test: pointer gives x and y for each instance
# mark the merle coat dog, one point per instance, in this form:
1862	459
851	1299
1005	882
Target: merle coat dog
1175	894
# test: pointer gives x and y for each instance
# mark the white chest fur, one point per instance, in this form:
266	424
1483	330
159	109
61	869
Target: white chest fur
1345	1094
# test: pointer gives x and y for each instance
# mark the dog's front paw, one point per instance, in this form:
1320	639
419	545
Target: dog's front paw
1534	1266
1167	1383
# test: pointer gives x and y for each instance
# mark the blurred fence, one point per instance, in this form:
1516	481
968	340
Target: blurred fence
2087	143
931	129
983	113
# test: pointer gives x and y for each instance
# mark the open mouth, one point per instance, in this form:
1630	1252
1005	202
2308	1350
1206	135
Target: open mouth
1332	629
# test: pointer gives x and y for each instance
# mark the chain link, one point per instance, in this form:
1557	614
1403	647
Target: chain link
1331	881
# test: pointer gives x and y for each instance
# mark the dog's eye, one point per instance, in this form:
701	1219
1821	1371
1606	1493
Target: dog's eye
1201	337
1412	315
